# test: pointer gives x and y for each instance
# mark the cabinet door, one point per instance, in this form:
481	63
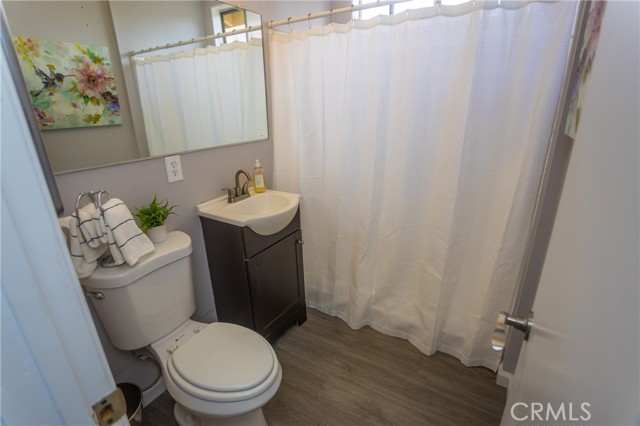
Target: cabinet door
276	283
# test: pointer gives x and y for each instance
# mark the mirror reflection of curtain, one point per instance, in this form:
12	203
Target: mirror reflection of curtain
417	142
203	97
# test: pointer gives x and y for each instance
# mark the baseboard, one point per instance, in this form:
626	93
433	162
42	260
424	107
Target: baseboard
503	378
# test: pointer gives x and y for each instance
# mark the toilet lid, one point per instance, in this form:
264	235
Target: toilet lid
224	357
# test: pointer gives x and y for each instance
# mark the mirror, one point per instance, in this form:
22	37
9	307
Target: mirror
230	109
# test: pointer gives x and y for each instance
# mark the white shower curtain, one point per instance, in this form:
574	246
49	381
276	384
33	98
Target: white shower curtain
417	142
202	97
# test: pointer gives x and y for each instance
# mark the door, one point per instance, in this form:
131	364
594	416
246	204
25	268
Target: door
581	364
53	367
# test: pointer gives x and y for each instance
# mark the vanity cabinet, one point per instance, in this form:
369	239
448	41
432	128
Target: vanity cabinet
257	280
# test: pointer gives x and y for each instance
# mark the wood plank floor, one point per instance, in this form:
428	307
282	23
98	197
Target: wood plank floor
336	376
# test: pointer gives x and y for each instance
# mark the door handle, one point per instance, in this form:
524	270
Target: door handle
499	338
519	323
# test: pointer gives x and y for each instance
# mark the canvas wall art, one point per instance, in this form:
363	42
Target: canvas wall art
70	84
587	53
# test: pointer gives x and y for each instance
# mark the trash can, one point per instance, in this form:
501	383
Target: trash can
133	400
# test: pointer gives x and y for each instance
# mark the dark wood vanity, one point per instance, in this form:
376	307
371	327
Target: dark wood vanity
257	280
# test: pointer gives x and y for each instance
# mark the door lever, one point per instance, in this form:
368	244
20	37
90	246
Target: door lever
499	338
519	323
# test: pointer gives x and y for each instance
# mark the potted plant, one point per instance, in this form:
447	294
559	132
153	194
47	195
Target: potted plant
153	217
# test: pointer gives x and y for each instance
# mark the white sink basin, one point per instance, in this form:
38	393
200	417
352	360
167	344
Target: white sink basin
265	213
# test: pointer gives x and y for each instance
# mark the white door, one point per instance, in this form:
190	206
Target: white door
53	367
581	364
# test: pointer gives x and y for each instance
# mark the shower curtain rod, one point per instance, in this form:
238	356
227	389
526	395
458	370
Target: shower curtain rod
352	8
272	24
196	40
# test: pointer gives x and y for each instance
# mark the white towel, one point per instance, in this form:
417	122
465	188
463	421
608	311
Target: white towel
125	233
116	254
83	257
100	227
89	225
64	226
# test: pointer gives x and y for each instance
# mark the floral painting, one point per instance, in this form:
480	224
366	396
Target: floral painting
587	53
70	84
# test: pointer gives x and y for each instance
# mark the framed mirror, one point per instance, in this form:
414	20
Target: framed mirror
189	97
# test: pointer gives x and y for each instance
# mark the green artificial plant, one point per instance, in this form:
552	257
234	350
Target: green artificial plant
154	214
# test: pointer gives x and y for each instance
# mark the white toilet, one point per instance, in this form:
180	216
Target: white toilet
219	373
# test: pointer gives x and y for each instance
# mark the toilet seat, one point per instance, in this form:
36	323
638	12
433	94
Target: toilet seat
224	363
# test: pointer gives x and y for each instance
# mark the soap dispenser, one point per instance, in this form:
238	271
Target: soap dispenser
258	178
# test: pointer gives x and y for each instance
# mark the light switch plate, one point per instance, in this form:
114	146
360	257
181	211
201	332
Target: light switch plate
174	168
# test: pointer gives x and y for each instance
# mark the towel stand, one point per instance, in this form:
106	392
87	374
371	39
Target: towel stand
102	191
95	197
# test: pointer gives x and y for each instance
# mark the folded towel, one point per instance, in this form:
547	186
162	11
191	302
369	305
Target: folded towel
126	236
107	236
116	254
100	227
88	224
83	257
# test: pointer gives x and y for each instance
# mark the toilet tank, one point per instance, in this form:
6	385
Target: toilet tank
145	302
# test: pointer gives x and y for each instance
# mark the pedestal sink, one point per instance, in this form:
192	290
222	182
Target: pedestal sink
265	213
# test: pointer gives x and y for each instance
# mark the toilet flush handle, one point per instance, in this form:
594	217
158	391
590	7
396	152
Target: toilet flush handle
95	294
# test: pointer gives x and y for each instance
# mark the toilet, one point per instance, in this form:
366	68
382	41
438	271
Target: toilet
219	373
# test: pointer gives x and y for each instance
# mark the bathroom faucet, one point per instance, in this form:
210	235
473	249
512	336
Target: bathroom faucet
245	188
239	192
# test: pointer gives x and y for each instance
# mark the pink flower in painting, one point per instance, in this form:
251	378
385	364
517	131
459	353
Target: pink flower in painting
92	79
42	117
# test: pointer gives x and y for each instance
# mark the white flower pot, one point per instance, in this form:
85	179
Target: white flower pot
157	234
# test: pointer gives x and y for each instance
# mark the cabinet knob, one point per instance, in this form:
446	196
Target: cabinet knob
300	242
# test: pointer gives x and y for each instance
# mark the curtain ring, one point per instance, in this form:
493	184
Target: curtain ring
331	16
289	22
309	19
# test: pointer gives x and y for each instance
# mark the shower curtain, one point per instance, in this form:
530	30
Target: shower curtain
417	142
202	97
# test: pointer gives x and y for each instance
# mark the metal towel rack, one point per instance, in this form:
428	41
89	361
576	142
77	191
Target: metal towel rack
95	197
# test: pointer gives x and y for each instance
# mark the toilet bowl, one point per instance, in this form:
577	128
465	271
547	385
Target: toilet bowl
219	373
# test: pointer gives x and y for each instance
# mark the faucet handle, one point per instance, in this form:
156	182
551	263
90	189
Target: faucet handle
231	194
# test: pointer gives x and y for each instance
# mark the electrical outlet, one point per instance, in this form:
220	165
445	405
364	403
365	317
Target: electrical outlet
174	168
